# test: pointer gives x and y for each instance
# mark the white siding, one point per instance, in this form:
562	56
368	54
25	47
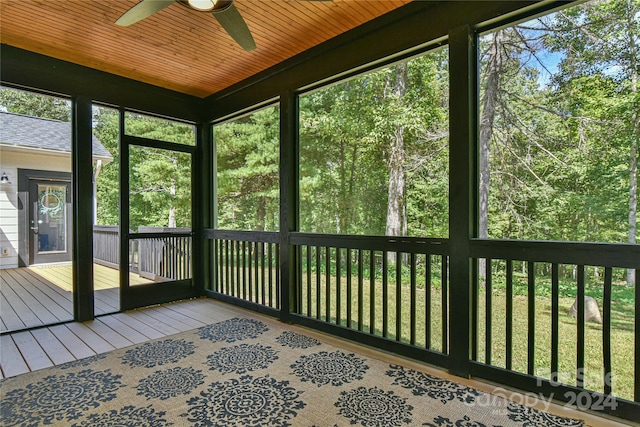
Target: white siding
10	162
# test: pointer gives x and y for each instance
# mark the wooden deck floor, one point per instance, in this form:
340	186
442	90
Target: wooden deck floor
40	348
21	352
36	296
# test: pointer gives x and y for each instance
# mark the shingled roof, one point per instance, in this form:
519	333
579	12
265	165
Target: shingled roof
34	132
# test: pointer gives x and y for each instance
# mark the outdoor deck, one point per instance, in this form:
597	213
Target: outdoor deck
41	348
37	296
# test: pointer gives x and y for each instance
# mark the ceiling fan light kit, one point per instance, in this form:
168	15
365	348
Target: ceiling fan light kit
223	10
203	5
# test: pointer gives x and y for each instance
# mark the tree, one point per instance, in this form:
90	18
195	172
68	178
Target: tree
247	152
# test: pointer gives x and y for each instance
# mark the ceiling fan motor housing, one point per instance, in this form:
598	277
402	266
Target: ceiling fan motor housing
207	5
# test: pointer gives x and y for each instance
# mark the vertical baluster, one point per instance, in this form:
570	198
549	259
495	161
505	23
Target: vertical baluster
580	337
412	332
263	278
239	268
606	329
338	286
277	250
360	291
221	266
398	296
250	270
309	281
385	295
318	267
349	293
256	271
445	304
327	274
531	318
488	290
555	321
372	292
509	314
427	301
226	267
232	270
270	272
244	270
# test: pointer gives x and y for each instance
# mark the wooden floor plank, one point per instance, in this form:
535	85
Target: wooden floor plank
59	305
138	325
11	361
31	351
27	317
75	345
61	296
125	330
90	338
34	300
168	320
10	319
153	323
56	351
111	336
180	317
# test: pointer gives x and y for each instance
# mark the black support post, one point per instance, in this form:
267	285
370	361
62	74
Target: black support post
288	202
462	191
202	207
124	212
83	302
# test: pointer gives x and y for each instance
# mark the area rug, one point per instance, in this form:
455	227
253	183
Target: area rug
248	372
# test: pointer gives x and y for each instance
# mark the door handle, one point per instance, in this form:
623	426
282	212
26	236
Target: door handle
35	230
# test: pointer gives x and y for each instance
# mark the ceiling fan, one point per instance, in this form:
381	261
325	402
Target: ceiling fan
223	10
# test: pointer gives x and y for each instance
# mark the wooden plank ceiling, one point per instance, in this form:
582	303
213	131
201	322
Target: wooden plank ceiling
179	48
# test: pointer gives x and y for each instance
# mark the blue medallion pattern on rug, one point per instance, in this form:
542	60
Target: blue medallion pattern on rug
170	383
83	362
242	358
157	353
58	398
129	416
530	417
233	330
422	384
294	340
374	407
247	401
335	368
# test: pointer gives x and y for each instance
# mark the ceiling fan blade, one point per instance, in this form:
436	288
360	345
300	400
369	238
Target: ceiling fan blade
232	22
142	10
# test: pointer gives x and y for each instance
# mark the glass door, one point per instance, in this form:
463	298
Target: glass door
49	221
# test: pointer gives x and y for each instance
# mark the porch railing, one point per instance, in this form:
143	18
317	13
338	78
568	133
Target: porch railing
395	293
158	258
551	289
393	288
246	266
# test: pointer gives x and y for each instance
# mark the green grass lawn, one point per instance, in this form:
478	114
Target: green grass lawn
622	339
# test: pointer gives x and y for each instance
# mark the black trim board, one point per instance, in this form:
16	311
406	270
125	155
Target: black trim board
30	70
407	27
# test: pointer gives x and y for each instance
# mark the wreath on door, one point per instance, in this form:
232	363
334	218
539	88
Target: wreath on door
51	202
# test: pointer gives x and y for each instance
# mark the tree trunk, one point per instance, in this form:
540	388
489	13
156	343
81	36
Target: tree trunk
396	191
489	102
261	213
172	209
633	150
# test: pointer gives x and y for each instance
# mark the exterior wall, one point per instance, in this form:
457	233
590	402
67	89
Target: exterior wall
10	161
